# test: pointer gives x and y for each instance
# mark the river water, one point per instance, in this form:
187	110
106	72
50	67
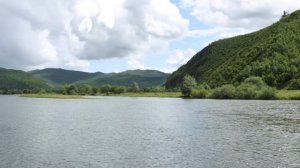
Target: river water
148	132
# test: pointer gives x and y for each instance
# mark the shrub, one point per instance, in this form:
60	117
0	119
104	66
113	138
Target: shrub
188	84
267	93
246	91
199	93
257	81
295	84
224	92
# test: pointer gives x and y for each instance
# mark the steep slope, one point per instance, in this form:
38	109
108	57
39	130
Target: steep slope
62	76
14	79
145	78
272	53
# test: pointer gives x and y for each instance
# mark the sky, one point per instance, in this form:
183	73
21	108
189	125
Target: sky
119	35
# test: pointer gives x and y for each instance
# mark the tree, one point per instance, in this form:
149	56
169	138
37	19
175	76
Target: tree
120	89
105	89
187	85
95	91
135	87
69	89
85	90
255	80
224	92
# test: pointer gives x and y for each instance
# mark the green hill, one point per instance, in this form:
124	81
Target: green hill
272	53
14	79
145	78
62	76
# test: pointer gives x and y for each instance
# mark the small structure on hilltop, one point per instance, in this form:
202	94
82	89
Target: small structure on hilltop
285	13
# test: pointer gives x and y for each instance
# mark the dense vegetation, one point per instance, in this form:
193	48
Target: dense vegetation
145	78
12	81
106	89
81	83
272	53
250	88
62	76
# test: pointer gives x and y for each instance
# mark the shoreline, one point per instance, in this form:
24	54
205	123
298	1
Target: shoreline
280	94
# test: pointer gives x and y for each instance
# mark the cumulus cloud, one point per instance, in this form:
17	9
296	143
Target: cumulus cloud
175	59
240	13
70	33
232	17
180	57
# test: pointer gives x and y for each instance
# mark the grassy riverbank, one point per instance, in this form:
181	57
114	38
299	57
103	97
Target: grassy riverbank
280	95
288	94
148	94
51	96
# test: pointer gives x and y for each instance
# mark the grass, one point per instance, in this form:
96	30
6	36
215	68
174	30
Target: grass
149	94
52	96
288	94
281	95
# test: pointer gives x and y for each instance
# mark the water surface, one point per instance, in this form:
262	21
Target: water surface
148	132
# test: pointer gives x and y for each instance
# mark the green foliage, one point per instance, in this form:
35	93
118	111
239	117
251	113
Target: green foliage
256	81
199	93
85	90
251	88
188	84
272	53
118	89
146	78
95	91
14	81
246	91
105	89
224	92
155	89
62	76
135	87
69	90
294	84
267	93
288	94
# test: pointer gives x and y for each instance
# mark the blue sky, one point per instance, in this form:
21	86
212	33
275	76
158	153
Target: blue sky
117	35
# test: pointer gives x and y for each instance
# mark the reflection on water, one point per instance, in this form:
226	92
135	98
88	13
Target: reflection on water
148	132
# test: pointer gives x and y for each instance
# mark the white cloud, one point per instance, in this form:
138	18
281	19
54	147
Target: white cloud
70	33
180	57
176	59
247	14
135	62
226	18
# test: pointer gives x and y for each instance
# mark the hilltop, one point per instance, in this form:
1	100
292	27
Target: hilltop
272	53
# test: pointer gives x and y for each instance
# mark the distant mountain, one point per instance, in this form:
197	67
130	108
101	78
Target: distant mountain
145	78
15	79
62	76
272	53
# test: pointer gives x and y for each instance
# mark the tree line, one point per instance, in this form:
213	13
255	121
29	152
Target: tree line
85	89
251	88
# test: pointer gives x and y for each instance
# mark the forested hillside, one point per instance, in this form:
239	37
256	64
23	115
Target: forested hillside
62	76
14	79
272	53
145	78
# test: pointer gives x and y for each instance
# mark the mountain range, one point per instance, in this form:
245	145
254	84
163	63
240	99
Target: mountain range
54	78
